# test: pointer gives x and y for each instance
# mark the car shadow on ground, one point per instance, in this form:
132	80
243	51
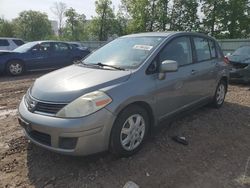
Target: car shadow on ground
216	138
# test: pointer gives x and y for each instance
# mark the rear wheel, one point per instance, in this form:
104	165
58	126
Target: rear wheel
129	131
220	94
15	68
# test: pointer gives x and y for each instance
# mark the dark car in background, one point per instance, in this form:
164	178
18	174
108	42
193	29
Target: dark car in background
39	55
78	45
240	64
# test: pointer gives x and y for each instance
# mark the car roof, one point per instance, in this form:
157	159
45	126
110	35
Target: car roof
10	38
39	41
166	34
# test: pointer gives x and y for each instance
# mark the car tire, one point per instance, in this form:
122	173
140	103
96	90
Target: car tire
15	68
220	94
129	131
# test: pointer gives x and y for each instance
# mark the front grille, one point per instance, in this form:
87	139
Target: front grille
40	137
36	106
238	65
48	107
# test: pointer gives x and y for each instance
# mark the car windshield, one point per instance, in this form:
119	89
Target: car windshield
25	47
242	51
126	53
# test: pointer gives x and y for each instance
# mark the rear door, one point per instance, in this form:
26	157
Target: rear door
61	54
206	65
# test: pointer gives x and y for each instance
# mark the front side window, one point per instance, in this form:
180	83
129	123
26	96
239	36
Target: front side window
179	50
4	42
43	47
127	52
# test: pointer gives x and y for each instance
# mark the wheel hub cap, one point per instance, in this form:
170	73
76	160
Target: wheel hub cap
220	95
132	132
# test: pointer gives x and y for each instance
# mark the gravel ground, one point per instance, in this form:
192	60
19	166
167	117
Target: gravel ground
218	154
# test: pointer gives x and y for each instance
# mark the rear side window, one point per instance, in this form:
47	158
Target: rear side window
4	42
179	50
60	47
18	42
202	49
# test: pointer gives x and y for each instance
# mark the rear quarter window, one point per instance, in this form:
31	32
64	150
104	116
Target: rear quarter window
4	42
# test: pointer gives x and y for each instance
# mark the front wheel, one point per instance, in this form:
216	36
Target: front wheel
129	131
15	68
220	94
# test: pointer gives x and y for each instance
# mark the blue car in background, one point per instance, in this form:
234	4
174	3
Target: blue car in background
40	55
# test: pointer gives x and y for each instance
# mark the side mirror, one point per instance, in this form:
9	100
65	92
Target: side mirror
167	66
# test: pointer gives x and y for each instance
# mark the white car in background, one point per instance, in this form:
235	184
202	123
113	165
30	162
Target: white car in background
10	43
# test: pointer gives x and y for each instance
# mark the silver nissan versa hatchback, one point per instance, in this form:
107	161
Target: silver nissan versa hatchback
114	97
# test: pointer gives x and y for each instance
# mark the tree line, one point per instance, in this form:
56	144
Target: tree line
218	18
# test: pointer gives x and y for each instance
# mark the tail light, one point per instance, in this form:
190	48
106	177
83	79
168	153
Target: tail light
226	60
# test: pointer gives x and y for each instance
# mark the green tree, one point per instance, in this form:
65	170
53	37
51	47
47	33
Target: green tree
139	12
74	24
184	16
162	15
104	22
237	18
6	28
32	25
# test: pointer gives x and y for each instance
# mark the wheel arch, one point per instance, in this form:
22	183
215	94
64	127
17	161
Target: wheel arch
225	79
145	106
15	59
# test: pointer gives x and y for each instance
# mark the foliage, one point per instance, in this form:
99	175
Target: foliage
219	18
6	28
74	25
102	24
32	25
184	16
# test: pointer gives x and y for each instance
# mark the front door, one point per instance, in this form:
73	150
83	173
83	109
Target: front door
178	89
39	57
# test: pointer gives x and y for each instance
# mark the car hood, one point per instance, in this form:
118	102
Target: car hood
67	84
238	58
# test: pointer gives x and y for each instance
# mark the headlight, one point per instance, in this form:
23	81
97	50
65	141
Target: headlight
85	105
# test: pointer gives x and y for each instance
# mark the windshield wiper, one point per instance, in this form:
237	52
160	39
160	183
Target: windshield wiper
111	66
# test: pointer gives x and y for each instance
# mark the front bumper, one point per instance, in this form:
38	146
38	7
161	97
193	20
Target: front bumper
89	134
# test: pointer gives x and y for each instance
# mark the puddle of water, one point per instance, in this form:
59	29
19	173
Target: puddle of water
8	112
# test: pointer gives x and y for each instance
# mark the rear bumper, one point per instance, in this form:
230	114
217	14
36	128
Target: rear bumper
79	136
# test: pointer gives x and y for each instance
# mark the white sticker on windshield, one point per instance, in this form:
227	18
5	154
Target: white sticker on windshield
142	47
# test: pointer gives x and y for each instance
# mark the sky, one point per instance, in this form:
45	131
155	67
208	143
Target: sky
10	9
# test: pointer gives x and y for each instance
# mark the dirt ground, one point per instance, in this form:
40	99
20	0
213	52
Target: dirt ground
218	154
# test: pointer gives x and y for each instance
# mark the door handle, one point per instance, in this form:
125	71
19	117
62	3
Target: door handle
193	72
